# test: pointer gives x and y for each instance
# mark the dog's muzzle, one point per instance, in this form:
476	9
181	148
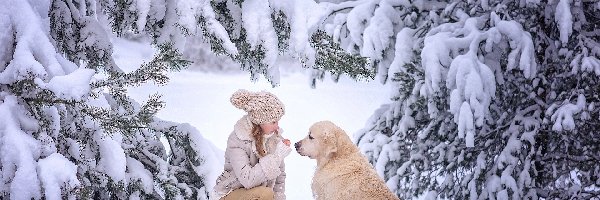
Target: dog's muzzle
297	146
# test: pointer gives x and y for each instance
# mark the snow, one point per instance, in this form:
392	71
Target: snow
31	34
143	7
213	160
564	19
56	172
137	172
590	64
5	39
470	93
465	124
387	154
378	33
18	153
520	42
256	19
304	17
563	116
72	86
434	56
202	100
471	83
112	156
403	49
355	22
215	28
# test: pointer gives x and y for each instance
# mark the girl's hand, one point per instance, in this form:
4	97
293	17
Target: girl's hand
287	142
282	150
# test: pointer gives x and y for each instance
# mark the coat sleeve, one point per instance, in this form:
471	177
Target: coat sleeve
279	187
252	176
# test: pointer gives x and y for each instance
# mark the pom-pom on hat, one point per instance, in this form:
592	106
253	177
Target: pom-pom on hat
262	107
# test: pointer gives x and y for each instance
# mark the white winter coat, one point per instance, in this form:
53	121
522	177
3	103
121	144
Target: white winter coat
244	169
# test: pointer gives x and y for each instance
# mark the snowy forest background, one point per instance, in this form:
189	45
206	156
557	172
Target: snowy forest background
493	99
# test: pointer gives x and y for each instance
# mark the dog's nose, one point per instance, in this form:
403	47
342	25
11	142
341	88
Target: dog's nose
297	145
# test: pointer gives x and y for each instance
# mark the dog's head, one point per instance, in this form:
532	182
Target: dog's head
324	139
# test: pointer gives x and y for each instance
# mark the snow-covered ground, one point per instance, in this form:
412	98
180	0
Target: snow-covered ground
202	100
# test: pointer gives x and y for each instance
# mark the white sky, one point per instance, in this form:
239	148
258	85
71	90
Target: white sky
202	100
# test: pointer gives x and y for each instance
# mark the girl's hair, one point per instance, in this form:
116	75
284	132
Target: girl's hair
257	135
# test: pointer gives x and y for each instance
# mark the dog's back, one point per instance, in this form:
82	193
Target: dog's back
349	178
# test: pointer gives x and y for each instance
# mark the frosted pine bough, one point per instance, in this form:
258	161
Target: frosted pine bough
484	107
68	129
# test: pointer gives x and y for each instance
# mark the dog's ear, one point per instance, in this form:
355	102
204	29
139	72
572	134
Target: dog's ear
330	141
332	137
343	143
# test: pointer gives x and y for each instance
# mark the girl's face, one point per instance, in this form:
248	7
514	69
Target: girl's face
270	127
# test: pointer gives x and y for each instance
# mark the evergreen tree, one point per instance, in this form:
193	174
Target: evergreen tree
68	128
495	99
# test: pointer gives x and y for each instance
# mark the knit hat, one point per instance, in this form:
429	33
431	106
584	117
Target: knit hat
262	107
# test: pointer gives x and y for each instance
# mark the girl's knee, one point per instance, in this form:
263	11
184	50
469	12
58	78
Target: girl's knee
263	193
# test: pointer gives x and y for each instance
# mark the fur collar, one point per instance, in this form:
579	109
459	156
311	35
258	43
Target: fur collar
243	131
243	128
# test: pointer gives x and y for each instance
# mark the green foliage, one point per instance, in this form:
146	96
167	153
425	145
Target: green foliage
332	58
62	29
183	157
249	58
167	59
76	37
282	28
124	116
120	16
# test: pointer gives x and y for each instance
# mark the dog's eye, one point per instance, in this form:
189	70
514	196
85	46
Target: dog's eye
310	137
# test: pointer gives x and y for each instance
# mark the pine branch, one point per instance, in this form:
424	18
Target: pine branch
332	58
168	59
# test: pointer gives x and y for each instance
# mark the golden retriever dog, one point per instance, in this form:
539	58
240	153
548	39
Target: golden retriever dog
342	172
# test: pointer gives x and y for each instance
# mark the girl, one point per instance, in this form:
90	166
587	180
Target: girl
254	167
